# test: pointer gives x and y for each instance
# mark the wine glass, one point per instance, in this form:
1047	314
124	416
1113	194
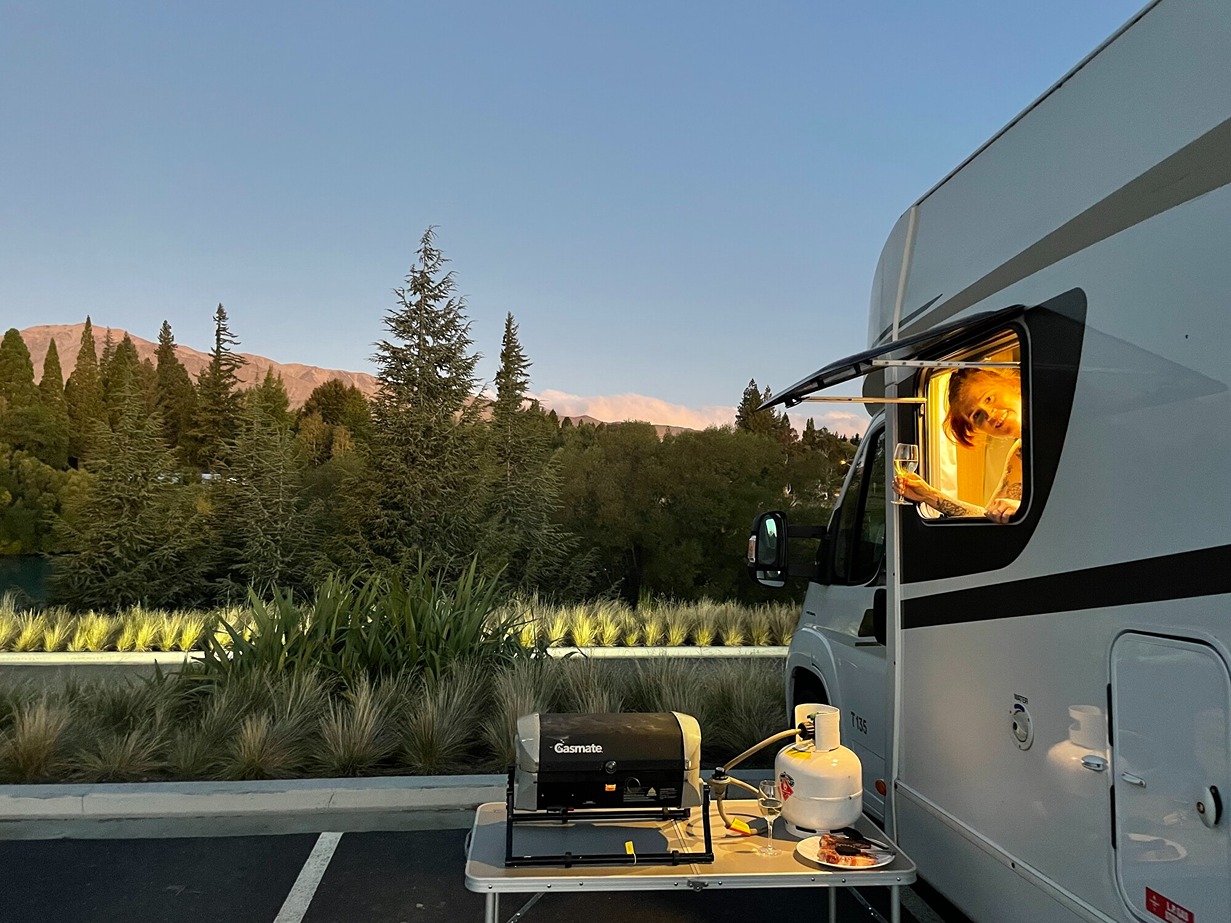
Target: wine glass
770	802
905	461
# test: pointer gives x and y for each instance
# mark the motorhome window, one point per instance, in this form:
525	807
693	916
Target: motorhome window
870	549
973	475
859	542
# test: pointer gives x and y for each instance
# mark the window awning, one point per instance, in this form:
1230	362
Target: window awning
912	347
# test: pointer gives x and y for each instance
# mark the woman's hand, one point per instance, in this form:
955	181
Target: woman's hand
1001	509
913	488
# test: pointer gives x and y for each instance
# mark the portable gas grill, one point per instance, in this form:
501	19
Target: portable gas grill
579	768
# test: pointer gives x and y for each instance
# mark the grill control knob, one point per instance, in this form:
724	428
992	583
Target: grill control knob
609	767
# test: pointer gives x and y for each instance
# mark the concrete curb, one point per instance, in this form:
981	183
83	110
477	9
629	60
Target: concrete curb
141	800
643	653
383	795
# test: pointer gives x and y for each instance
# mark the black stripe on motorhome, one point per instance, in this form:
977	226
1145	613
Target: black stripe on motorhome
1195	169
1185	575
1052	341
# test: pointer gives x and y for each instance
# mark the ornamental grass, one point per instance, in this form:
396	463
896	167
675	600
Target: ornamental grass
336	614
310	724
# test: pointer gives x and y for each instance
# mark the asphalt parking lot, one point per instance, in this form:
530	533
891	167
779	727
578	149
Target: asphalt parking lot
405	876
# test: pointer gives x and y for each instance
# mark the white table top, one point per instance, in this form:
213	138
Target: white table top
737	860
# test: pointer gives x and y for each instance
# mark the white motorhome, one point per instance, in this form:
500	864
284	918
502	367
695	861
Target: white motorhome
1043	707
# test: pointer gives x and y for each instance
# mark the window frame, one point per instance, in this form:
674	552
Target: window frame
847	536
926	423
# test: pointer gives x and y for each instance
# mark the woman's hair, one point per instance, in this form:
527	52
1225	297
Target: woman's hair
957	420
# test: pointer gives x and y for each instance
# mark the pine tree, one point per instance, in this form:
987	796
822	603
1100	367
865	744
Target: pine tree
139	535
51	385
25	423
430	497
120	374
522	535
216	420
83	395
175	397
762	422
270	399
266	533
17	388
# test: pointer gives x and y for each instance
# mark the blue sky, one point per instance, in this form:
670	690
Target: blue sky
671	198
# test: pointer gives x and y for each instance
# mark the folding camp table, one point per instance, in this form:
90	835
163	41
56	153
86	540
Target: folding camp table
737	863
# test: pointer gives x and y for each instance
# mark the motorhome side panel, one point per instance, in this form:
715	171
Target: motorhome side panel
1115	187
1130	538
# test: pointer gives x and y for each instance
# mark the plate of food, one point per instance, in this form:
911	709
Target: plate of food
845	851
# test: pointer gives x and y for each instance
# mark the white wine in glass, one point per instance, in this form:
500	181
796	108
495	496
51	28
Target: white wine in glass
770	802
905	461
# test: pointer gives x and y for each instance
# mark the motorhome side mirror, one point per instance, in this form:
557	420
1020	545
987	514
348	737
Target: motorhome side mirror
767	549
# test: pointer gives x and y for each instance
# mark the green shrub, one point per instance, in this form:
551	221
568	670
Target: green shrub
370	627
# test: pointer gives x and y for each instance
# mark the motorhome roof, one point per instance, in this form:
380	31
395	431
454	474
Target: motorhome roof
1048	92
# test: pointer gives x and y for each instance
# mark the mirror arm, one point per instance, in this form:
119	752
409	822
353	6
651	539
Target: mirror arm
807	569
806	531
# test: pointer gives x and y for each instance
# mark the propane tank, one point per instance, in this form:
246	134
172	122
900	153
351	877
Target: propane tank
820	781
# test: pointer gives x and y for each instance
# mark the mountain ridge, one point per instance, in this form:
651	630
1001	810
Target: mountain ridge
299	380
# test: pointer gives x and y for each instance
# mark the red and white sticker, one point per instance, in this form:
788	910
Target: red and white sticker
786	785
1166	909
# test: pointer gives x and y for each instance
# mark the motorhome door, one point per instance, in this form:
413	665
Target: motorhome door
1171	755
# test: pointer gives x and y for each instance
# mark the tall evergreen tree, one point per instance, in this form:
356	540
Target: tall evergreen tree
175	396
25	423
83	394
139	534
51	385
216	421
120	374
762	422
266	532
522	534
271	400
17	388
429	499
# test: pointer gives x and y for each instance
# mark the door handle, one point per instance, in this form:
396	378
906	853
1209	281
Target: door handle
1210	807
1133	780
1093	763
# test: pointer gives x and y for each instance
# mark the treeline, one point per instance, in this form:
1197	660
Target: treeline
152	488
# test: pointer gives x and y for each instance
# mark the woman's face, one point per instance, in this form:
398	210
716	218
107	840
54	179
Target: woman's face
995	406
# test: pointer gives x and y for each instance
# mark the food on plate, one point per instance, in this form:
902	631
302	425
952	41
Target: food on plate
840	850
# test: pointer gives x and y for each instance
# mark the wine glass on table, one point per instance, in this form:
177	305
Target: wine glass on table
770	802
905	461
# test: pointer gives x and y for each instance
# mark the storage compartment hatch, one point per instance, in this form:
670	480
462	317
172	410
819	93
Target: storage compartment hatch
1171	755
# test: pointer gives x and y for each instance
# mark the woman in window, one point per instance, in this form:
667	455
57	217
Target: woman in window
987	402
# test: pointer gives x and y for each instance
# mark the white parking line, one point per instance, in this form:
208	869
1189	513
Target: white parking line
296	903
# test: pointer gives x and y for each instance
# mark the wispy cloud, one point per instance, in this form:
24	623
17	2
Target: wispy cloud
615	408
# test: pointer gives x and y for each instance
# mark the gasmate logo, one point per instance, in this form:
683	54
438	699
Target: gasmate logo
562	747
786	785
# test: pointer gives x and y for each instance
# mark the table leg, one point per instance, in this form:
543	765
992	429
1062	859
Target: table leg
491	910
895	904
833	905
